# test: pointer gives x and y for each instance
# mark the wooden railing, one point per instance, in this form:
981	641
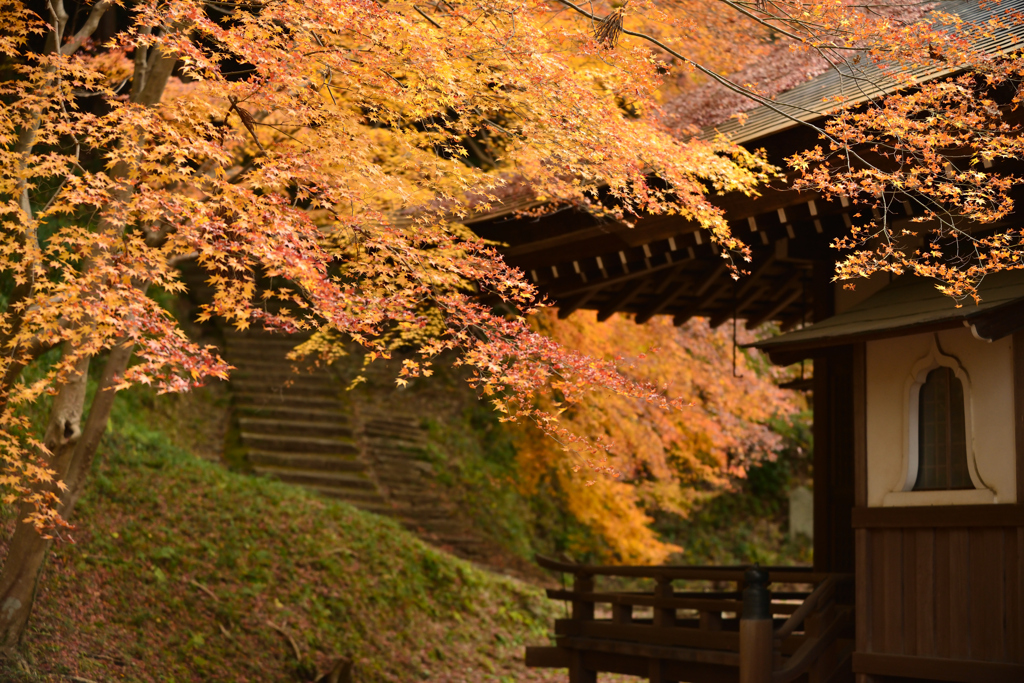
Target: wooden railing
749	634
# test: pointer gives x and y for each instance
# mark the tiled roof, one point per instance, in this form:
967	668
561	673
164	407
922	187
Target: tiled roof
861	82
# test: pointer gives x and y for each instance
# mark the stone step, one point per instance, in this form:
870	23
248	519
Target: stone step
299	413
306	461
280	374
425	516
462	542
353	495
248	399
404	478
388	426
298	444
339	427
415	498
248	386
447	528
378	507
271	347
398	465
275	362
391	433
260	336
278	357
395	446
315	479
262	358
367	501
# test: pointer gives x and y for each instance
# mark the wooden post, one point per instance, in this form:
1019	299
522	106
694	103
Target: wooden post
577	672
710	621
654	671
622	614
583	609
756	629
664	616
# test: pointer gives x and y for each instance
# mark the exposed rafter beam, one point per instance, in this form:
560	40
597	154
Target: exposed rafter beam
694	308
737	310
668	279
621	300
569	305
563	240
781	303
756	276
665	302
605	283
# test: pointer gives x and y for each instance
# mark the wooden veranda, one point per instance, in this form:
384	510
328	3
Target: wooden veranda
683	626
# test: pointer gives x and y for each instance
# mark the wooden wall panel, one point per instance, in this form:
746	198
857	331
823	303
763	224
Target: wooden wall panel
861	579
924	589
942	593
892	573
909	579
942	616
987	606
959	593
876	592
939	591
1015	595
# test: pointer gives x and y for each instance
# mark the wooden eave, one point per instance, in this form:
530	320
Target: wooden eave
909	305
665	265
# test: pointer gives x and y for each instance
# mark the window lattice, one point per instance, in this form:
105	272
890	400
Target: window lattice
942	434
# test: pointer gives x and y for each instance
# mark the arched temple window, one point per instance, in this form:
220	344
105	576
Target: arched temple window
942	434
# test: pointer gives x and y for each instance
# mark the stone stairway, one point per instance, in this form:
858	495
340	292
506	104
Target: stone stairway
396	445
295	427
305	429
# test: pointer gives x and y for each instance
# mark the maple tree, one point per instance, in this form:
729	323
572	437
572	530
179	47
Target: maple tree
332	146
668	461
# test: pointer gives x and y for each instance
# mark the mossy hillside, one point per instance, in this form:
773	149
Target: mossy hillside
183	571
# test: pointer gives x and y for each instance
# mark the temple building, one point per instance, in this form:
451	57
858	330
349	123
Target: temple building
918	442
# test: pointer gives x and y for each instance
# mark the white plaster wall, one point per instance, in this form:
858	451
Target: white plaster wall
989	368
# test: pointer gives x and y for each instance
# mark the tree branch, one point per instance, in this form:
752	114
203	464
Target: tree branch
708	72
88	28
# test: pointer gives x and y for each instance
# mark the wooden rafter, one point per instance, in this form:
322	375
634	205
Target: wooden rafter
665	302
569	305
737	310
792	321
622	299
782	302
612	281
695	307
756	276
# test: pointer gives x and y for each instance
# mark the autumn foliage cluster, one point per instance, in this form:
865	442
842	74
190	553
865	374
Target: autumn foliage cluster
330	147
667	461
292	140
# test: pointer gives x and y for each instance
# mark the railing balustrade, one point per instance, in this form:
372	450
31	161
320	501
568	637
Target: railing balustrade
748	635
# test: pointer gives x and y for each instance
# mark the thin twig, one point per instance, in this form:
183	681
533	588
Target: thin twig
204	589
291	641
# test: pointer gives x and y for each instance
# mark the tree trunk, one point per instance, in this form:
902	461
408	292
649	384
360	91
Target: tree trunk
74	449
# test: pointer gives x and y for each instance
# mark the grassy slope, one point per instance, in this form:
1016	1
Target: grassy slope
181	567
